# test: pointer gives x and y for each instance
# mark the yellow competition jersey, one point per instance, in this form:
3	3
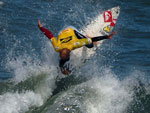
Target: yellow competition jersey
68	39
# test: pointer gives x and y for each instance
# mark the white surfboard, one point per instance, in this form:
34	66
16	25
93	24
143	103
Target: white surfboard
103	24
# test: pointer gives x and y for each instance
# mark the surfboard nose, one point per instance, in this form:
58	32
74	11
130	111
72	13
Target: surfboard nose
117	10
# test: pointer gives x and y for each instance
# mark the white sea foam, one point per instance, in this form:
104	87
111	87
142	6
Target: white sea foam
19	102
25	67
109	95
102	94
105	94
1	3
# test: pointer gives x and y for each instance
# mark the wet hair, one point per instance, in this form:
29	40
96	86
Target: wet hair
65	54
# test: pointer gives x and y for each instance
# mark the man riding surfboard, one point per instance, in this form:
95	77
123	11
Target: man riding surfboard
68	40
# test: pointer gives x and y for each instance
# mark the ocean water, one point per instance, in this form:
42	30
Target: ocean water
115	80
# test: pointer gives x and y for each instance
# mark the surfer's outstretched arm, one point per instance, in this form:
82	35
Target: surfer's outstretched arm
46	31
49	36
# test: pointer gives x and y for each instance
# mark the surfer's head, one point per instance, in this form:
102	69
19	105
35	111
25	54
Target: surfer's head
65	54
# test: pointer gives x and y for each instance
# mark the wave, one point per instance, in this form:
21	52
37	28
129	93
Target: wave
32	84
99	91
102	94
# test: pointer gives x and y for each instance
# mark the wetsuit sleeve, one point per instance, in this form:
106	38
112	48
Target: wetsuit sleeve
98	38
47	32
51	37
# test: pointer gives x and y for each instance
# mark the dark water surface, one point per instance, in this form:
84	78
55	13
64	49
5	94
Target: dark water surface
115	80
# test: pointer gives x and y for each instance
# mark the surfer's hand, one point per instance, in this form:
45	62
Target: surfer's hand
39	24
110	36
65	71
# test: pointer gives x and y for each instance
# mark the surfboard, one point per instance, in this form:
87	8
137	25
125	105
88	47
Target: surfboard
103	24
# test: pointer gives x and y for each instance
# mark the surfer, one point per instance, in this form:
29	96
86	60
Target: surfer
68	40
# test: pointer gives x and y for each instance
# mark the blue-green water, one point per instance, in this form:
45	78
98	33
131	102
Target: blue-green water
115	80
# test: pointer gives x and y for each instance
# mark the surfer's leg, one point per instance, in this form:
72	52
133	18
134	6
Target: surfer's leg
98	38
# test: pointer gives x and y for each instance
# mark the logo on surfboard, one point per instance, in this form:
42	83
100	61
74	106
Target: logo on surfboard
113	22
107	29
107	16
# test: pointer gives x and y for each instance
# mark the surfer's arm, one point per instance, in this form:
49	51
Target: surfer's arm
64	69
49	36
47	32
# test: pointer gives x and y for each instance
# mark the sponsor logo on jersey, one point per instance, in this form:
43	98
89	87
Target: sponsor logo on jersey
65	40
